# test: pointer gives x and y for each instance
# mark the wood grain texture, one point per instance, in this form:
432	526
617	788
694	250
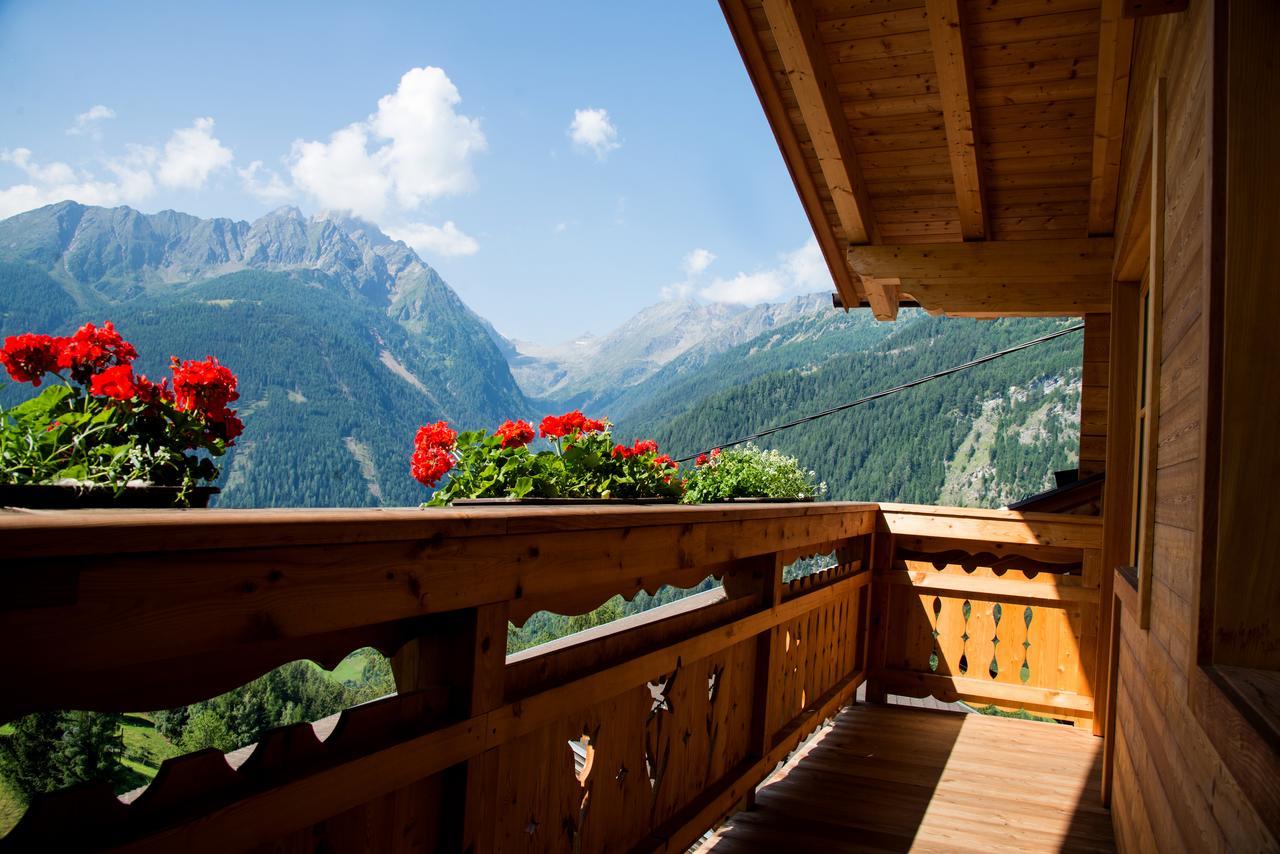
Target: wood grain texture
955	83
1185	775
796	34
1115	53
207	620
891	778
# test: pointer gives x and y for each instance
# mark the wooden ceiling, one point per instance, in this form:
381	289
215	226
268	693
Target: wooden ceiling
963	154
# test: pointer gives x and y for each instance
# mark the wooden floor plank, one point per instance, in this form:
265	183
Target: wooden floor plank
905	778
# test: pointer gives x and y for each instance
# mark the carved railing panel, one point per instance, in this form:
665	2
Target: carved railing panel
993	607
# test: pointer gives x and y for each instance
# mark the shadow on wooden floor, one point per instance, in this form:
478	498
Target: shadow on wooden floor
895	778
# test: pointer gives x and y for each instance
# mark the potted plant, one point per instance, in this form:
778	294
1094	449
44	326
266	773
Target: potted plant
105	436
749	473
581	463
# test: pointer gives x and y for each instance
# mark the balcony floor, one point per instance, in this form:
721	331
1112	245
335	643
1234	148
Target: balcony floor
897	778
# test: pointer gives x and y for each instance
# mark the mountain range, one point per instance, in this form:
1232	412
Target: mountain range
597	371
345	340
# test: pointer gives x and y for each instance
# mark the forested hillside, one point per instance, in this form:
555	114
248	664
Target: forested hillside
981	437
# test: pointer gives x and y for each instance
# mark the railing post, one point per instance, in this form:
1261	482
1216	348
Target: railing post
882	545
463	658
767	577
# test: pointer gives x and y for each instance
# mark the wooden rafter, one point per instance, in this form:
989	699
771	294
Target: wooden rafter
1115	53
955	85
1058	260
796	33
831	244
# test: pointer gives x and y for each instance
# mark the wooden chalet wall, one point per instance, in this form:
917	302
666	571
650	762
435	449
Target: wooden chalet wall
1171	790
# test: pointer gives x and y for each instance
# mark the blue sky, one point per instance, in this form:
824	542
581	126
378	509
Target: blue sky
562	164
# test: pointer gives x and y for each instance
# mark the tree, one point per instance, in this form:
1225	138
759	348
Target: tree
27	755
205	729
91	747
51	750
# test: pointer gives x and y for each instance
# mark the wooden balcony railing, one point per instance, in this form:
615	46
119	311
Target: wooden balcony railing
676	714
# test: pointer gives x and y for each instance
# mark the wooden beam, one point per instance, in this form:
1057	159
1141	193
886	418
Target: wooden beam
882	294
955	85
1009	297
1115	53
796	33
831	244
1082	260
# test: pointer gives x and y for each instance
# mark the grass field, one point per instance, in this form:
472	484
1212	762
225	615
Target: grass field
351	668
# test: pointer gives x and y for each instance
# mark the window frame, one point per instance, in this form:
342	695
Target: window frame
1147	408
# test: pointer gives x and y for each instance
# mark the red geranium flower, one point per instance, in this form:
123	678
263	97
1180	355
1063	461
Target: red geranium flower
715	452
645	446
665	462
429	464
92	350
701	460
225	424
149	392
29	357
515	434
205	387
573	421
551	428
621	452
559	426
116	383
437	435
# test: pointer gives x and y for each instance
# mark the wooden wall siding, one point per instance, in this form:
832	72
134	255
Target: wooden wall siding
1170	788
680	711
1093	394
966	615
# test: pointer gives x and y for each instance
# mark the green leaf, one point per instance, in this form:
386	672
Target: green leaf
42	405
523	487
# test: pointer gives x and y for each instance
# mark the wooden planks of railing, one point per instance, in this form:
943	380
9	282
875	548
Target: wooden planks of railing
989	606
679	713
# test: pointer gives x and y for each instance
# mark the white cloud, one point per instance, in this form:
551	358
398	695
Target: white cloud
561	227
697	261
264	183
191	155
88	123
799	272
414	149
57	181
340	174
440	241
188	158
592	129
